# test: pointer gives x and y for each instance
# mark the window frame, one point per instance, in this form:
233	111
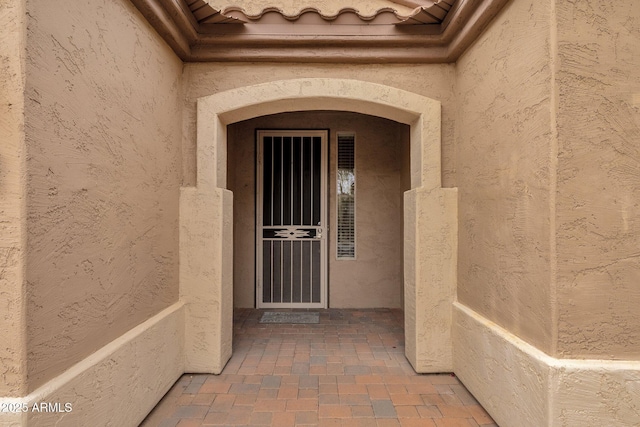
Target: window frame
355	192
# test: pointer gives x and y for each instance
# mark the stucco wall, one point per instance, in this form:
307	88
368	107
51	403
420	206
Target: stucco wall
548	176
433	81
374	279
598	193
503	145
12	182
103	122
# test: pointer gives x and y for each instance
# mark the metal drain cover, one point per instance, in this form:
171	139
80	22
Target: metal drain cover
289	317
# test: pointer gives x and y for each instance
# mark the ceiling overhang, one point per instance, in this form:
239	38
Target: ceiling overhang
426	31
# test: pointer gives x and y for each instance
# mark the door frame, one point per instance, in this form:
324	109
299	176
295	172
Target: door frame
324	225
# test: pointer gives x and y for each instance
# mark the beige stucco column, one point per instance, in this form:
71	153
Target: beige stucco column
206	268
206	253
430	249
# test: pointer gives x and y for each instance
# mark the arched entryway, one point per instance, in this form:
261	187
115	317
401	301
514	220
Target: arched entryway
206	216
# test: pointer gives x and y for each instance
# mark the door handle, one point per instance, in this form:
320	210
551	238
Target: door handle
319	233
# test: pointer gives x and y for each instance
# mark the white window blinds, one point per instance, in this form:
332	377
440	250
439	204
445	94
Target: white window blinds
346	191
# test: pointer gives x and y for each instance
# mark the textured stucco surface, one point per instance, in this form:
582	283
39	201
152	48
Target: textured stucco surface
548	176
503	146
521	386
430	259
206	277
103	122
115	386
548	185
122	382
545	106
598	193
511	383
433	81
374	278
12	189
595	393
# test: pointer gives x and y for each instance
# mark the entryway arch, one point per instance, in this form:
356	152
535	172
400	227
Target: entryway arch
206	217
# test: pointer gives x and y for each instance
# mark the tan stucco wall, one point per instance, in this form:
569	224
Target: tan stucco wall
547	176
579	64
374	279
503	146
12	193
433	81
598	192
521	386
103	123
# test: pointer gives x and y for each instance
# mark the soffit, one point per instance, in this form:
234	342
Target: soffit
357	31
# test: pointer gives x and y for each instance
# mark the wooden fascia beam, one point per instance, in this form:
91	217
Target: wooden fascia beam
442	43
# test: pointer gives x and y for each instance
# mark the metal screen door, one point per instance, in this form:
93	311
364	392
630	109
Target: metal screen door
291	219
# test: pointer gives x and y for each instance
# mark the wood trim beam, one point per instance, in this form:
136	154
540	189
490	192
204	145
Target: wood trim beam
162	21
314	43
473	27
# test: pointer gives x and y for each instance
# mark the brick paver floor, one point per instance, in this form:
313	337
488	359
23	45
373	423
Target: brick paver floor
349	370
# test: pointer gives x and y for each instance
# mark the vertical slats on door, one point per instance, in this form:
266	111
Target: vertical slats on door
306	181
316	178
267	181
286	181
286	271
267	247
297	181
315	275
297	271
277	181
277	269
292	196
306	272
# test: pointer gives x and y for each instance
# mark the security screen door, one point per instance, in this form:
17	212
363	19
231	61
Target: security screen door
291	219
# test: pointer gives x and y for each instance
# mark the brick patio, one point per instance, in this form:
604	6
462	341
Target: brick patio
349	370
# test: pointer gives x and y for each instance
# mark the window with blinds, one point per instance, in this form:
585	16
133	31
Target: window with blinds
346	202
